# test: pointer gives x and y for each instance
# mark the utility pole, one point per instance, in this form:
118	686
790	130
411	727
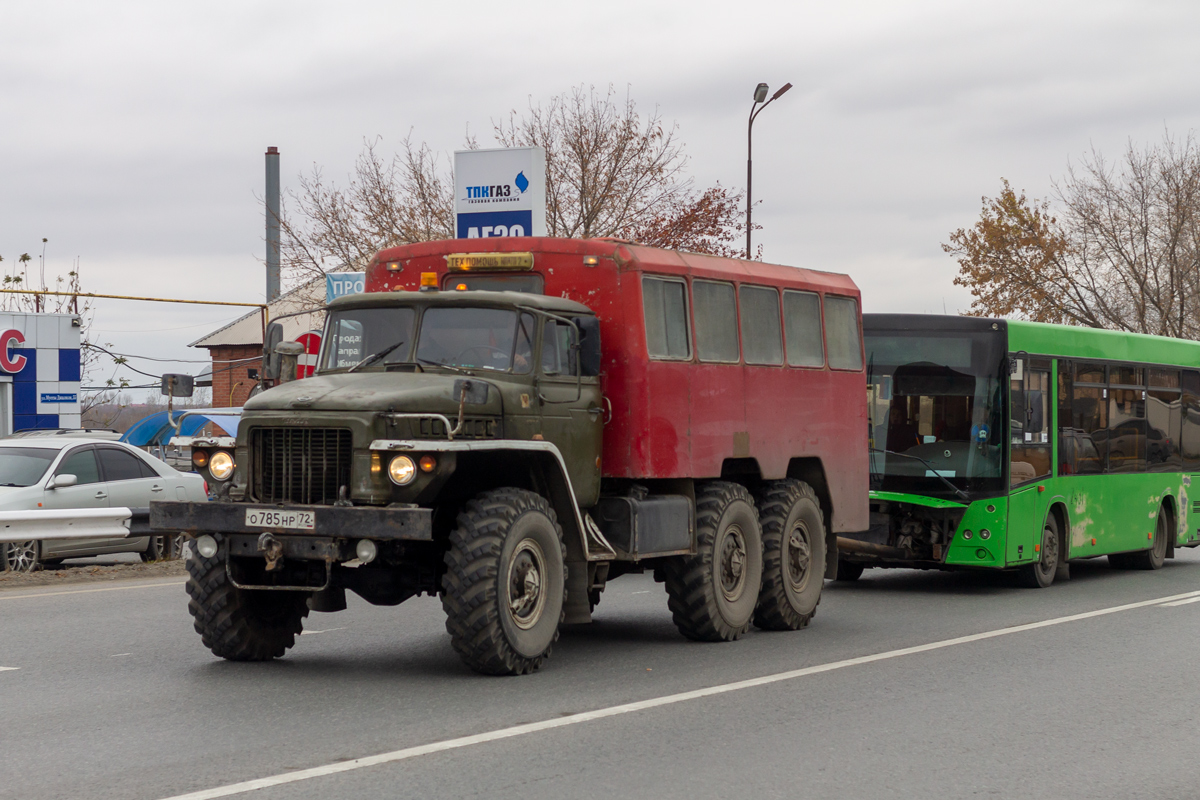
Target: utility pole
272	197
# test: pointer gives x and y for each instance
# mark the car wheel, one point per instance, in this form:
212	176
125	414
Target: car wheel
23	556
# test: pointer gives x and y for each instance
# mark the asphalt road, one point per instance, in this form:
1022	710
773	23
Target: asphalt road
109	694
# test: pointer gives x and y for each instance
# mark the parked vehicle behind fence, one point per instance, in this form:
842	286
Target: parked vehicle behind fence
67	471
476	440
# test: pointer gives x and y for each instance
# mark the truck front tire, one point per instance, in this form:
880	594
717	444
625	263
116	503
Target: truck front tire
793	532
712	594
240	624
505	582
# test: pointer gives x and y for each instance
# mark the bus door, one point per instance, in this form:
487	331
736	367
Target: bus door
1029	454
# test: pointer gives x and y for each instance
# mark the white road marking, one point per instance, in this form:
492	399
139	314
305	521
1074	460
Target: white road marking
4	596
118	655
655	702
646	591
327	630
1182	602
8	669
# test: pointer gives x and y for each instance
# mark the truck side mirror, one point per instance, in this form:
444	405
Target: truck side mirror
589	346
272	339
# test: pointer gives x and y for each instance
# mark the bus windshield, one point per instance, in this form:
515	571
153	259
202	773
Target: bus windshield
935	401
457	337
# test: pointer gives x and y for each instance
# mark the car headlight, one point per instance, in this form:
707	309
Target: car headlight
220	465
402	470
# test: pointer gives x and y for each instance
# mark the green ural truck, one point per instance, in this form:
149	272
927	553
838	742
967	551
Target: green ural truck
482	446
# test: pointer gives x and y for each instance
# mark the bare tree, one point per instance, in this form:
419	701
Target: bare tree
609	172
1122	251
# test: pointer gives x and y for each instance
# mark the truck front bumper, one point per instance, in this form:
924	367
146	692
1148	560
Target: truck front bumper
331	522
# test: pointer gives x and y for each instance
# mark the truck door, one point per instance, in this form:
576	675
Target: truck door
572	416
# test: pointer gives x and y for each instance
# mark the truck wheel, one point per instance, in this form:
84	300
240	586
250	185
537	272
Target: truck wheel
505	583
240	624
793	537
712	595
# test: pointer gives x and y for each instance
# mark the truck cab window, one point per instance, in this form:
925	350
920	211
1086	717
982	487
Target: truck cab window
666	313
716	321
802	323
841	333
556	349
762	339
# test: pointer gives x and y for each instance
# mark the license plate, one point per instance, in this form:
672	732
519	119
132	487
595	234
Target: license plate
273	518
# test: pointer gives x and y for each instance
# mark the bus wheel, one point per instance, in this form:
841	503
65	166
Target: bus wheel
1040	574
1157	554
849	571
505	583
712	595
793	536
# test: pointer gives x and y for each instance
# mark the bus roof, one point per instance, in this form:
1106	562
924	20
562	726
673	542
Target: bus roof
1041	338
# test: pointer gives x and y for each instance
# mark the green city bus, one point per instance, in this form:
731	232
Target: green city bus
1023	446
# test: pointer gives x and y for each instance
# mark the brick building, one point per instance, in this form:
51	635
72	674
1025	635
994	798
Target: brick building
236	349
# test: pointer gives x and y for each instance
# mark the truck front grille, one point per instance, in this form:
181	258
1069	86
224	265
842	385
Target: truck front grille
473	428
299	465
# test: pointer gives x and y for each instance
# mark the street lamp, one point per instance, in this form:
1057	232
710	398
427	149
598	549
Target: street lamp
760	94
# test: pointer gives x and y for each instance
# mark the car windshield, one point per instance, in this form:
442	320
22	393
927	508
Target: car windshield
24	466
935	401
459	337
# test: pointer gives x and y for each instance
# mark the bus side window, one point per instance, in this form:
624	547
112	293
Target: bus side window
1125	439
1189	436
1163	411
1067	445
716	321
1089	414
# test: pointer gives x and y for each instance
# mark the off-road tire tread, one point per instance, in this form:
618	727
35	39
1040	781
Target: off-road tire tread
469	588
775	502
227	624
688	578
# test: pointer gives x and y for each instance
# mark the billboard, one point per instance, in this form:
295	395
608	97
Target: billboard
340	284
500	192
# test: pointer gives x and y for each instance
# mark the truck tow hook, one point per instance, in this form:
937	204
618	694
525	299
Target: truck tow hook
272	550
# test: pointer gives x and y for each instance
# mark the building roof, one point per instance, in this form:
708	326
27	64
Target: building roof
248	329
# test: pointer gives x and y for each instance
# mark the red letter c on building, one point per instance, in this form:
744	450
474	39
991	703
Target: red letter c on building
7	362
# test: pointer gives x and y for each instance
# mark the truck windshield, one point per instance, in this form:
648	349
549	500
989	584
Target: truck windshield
935	401
473	338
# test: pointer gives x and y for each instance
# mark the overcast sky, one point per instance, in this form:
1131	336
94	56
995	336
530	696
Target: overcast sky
132	134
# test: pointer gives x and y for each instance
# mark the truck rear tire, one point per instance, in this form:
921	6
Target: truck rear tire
793	536
240	624
712	594
505	582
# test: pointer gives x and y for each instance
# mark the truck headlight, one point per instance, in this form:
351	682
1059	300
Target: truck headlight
220	465
402	470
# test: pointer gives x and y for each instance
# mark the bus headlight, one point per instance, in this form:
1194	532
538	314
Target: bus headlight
402	470
220	465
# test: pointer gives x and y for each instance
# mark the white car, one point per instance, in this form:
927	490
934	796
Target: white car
59	472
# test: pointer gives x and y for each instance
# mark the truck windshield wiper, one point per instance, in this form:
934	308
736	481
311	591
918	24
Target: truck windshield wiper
932	468
440	364
371	359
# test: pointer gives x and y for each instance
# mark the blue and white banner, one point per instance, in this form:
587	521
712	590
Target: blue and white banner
340	284
500	192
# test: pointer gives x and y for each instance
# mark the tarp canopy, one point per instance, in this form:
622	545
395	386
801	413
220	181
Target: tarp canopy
155	429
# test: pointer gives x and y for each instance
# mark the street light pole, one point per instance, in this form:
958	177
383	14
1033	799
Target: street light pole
760	94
